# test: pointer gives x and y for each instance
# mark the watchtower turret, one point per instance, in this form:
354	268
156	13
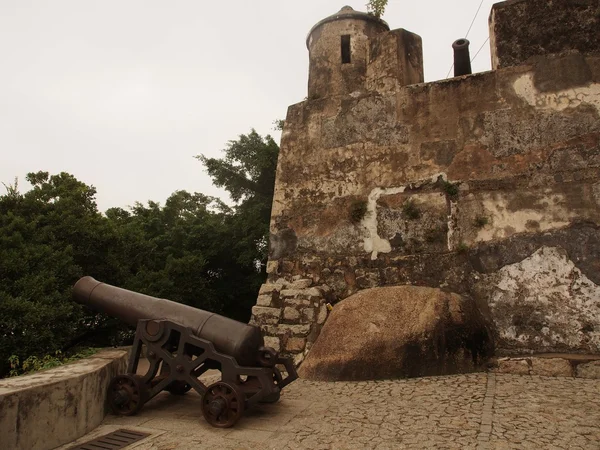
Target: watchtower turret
339	50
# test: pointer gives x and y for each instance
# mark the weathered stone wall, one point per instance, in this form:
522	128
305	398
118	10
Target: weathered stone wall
395	60
47	409
291	315
523	29
440	171
444	184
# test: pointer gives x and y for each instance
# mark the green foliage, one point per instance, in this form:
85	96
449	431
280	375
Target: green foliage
48	238
376	7
358	210
451	189
194	250
462	248
481	221
410	211
248	168
35	364
247	172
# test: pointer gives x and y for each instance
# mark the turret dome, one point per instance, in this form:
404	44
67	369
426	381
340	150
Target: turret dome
347	12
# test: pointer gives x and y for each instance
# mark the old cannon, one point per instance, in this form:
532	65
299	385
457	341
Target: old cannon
181	344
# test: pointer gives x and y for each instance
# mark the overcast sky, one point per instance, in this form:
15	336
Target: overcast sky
123	93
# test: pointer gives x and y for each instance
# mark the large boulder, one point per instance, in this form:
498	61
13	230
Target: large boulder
400	331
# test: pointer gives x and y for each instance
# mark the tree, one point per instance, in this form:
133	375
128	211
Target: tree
247	172
194	250
173	251
48	238
376	7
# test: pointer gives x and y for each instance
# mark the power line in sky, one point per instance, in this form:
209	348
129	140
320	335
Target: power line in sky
467	35
484	42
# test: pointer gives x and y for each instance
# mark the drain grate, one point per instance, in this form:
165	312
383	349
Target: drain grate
112	441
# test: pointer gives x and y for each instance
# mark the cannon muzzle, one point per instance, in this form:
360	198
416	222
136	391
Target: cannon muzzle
230	337
462	58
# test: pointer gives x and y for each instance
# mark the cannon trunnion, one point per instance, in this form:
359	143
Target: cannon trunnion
181	344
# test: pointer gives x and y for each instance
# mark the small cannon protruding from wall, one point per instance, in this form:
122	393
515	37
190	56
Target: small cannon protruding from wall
181	344
462	58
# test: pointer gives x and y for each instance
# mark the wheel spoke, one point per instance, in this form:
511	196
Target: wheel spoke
230	402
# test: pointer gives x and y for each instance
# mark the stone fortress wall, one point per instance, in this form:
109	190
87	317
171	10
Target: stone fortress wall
487	185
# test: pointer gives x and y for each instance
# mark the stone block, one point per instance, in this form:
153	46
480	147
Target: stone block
282	281
274	342
307	294
322	317
269	288
303	283
297	302
313	292
265	315
287	266
551	367
269	330
295	344
513	366
291	293
308	314
295	330
366	279
264	300
325	289
589	370
272	266
291	314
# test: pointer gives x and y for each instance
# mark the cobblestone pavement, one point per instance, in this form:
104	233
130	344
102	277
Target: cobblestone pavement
475	411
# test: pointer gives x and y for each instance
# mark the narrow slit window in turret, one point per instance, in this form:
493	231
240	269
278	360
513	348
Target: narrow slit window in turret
346	49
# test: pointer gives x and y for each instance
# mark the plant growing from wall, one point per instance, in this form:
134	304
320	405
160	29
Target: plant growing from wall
376	7
480	221
358	210
451	189
462	248
410	211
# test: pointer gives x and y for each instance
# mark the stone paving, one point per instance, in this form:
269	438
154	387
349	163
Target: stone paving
475	411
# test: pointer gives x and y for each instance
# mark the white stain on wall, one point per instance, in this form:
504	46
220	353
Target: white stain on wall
373	243
558	306
560	100
552	212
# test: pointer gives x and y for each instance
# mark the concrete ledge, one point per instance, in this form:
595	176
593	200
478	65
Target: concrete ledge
550	365
47	409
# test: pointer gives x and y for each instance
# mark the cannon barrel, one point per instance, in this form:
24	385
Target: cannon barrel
228	336
462	57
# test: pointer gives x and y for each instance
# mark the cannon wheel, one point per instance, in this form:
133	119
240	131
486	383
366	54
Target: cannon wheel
126	394
178	387
222	404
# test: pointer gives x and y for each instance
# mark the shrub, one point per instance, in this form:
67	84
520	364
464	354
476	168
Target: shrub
410	211
358	211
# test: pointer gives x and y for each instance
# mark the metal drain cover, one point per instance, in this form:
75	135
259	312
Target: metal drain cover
112	441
